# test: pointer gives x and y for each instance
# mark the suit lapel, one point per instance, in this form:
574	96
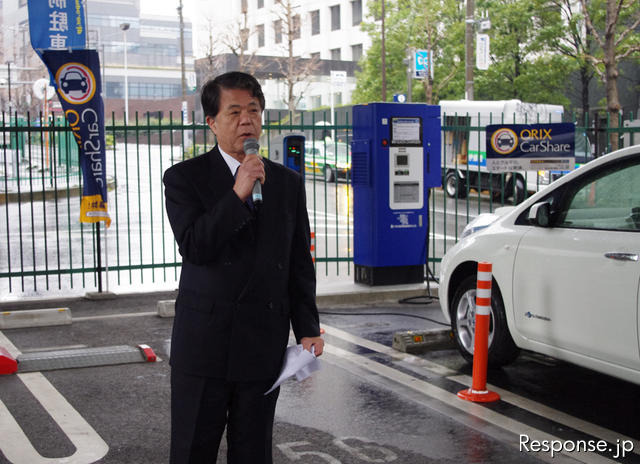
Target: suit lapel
219	177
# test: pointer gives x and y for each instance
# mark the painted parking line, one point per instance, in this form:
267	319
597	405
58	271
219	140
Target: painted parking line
15	445
451	399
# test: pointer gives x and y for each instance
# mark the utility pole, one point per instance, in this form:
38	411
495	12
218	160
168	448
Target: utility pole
9	81
384	63
182	70
468	54
408	61
125	27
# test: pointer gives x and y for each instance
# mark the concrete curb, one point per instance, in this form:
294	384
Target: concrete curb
35	318
362	294
354	295
166	308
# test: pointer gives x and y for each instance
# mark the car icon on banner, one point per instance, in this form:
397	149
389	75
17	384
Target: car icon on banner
73	80
76	83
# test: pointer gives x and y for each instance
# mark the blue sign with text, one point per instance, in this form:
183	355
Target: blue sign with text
421	65
56	25
513	147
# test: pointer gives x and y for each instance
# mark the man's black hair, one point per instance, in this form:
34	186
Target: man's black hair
210	94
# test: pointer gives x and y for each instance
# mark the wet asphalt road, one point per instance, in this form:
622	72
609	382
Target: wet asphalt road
368	404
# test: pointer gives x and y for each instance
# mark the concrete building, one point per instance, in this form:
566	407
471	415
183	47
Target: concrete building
325	34
153	53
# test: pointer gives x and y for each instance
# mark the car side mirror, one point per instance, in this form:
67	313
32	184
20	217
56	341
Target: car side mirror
540	214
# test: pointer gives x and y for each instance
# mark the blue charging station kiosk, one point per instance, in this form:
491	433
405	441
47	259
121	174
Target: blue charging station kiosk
288	149
395	161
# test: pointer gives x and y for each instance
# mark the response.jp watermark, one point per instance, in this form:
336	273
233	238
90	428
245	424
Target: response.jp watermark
618	450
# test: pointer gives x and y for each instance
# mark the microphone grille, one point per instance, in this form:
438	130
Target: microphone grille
251	145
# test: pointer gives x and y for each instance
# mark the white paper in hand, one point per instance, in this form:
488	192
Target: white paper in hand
298	362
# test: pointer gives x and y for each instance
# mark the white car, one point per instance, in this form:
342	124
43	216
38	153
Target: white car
566	271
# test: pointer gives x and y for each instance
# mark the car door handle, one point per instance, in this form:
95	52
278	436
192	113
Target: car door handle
622	256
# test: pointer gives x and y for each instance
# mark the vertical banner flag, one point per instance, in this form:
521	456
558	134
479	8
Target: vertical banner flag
58	35
77	79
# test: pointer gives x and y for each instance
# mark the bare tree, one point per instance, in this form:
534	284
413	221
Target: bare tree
296	72
617	42
234	40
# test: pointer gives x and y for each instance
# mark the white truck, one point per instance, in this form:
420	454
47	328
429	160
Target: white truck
463	148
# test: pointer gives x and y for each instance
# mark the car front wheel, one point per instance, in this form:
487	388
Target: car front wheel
454	185
328	174
518	193
502	349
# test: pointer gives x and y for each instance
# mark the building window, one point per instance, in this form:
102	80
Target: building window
315	22
356	12
260	34
335	54
316	101
335	17
114	89
277	30
260	4
315	56
356	52
337	99
296	27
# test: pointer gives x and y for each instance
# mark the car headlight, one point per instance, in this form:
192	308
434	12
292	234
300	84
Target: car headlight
481	222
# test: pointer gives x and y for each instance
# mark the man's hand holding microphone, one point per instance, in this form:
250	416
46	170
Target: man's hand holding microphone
250	175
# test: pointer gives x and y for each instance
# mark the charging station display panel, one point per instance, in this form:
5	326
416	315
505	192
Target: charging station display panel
406	177
406	132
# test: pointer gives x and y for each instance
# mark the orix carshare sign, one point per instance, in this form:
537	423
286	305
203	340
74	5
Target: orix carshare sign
530	147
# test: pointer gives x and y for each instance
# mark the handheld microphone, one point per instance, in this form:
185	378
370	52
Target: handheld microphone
251	147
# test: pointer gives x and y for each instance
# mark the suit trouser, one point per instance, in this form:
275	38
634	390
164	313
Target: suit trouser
201	407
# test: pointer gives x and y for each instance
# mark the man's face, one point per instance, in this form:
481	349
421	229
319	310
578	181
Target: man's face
239	118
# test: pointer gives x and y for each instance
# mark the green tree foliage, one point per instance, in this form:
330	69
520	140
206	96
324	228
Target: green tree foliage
613	26
421	24
523	65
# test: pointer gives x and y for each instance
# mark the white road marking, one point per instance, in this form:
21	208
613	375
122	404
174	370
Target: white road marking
555	415
15	445
114	316
467	407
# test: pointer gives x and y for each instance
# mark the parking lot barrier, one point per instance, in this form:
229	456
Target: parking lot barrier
8	365
478	391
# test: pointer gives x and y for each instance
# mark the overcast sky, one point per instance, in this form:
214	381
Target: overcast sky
167	7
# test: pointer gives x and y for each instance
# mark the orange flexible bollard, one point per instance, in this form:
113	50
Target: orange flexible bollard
478	391
313	247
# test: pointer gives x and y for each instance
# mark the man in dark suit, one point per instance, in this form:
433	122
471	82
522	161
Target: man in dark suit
247	277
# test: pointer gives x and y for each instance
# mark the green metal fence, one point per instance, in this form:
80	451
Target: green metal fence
44	249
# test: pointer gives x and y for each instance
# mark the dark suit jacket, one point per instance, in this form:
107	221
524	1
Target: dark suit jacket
245	277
